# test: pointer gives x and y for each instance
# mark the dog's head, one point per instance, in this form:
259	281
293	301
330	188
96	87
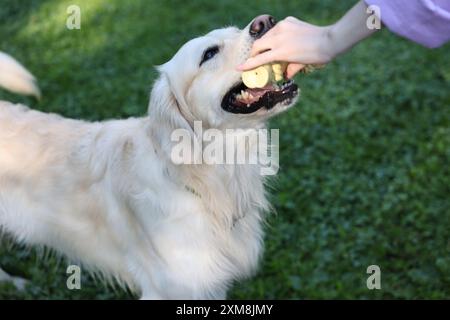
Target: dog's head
201	81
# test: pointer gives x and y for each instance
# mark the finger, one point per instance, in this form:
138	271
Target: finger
258	60
293	69
261	45
266	42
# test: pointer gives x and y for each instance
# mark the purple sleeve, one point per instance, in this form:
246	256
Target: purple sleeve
423	21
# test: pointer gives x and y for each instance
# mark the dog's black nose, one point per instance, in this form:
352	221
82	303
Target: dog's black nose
261	25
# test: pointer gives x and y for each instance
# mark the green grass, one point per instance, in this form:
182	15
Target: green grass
365	155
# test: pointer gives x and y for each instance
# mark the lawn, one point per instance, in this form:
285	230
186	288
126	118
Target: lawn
365	155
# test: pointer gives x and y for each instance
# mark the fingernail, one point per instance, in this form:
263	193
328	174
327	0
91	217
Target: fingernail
240	67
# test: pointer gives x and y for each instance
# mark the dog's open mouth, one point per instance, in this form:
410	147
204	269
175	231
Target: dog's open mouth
241	99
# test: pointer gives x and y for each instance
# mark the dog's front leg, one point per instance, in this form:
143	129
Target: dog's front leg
19	283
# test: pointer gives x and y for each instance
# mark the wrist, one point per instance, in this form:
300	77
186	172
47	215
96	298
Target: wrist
328	44
349	30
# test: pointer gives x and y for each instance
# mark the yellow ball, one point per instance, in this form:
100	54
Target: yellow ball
263	75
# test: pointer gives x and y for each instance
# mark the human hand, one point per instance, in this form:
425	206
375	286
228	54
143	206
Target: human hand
293	41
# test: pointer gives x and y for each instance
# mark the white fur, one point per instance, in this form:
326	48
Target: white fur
108	195
14	77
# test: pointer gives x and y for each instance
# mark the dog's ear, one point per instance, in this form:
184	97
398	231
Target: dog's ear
165	106
168	112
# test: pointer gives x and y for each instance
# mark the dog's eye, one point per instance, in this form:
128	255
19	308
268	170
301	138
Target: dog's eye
209	54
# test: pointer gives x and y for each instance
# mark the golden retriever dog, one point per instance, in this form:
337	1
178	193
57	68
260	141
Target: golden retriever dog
108	195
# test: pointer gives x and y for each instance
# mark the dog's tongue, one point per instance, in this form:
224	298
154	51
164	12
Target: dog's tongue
263	90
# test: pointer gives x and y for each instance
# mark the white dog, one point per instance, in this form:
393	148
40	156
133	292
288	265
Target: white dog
108	195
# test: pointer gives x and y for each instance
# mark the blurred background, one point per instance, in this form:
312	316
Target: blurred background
365	155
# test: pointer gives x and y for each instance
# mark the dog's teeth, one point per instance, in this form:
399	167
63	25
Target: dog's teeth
248	105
